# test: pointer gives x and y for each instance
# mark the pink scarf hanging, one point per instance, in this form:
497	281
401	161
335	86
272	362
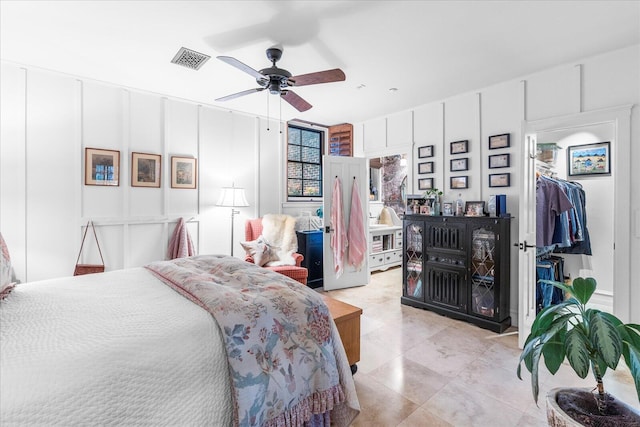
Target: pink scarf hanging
180	245
356	235
339	236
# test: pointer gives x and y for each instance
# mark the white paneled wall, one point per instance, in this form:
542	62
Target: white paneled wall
49	119
604	81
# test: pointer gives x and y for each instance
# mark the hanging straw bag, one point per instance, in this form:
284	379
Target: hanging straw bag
89	268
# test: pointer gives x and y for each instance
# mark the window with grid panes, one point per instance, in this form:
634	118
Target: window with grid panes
304	162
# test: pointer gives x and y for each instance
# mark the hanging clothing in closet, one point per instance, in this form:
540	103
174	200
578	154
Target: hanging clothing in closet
548	268
561	221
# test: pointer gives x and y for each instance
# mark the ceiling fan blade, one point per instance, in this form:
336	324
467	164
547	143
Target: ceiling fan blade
295	101
328	76
241	66
239	94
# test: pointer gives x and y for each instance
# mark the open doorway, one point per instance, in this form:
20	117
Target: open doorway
607	198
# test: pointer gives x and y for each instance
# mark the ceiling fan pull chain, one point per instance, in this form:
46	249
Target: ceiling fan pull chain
268	112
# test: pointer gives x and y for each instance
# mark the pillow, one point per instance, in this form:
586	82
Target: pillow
7	275
260	251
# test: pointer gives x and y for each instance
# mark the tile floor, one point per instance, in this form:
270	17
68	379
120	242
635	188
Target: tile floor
418	368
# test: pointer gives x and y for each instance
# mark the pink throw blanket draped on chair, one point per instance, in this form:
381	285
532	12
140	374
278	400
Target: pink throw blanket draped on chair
180	245
356	234
339	236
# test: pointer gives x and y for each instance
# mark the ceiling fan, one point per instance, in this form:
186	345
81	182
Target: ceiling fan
279	80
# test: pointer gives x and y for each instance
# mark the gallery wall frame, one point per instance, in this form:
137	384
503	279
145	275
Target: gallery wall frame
425	151
101	167
145	170
425	167
184	172
459	147
425	183
589	159
461	164
459	182
499	161
499	141
500	180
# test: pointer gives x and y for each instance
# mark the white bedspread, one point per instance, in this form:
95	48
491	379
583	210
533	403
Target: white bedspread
114	348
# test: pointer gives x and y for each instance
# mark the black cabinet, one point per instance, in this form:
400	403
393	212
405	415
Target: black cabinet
310	246
459	267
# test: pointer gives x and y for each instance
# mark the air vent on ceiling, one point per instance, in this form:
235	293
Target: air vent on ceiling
190	58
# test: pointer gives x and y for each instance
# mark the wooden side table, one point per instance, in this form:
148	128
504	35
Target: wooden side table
347	320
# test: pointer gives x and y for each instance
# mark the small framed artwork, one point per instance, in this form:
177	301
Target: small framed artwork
589	159
474	209
145	170
499	161
184	172
447	209
460	147
425	167
460	164
101	167
425	210
499	141
459	182
499	180
426	151
425	183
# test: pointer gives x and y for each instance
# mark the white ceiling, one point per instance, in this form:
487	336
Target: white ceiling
428	50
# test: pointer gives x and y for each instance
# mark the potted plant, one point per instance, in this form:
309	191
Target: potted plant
588	339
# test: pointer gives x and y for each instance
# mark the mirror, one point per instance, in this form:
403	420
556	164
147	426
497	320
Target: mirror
387	176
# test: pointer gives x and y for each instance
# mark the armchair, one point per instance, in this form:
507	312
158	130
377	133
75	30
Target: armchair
253	230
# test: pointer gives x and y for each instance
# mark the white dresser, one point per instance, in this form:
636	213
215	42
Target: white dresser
385	246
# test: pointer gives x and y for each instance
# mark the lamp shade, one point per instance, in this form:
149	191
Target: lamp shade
233	197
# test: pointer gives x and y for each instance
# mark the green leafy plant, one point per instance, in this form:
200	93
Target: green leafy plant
586	337
432	193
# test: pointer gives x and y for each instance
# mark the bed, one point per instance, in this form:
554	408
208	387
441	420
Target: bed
131	347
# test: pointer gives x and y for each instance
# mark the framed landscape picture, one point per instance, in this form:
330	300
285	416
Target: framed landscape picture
184	172
101	167
425	183
145	170
589	159
459	182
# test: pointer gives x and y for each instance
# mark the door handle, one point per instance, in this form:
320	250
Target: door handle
328	229
524	246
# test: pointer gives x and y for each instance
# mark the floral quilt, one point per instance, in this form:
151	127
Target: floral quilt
278	336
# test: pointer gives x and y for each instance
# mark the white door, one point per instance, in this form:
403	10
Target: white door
527	243
346	169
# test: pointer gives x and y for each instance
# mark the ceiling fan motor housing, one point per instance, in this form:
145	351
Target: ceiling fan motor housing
275	79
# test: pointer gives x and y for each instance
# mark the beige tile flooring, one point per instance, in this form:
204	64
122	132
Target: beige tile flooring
418	368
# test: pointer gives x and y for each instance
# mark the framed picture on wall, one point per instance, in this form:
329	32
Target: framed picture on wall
425	183
499	141
101	167
589	159
425	167
499	180
459	164
145	170
184	172
426	151
459	182
499	161
460	147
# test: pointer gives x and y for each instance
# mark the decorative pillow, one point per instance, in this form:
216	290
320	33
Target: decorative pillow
7	276
260	251
279	232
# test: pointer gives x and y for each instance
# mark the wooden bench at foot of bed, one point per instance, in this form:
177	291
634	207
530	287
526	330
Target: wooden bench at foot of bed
347	319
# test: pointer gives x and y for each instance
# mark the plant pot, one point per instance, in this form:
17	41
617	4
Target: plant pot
580	398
